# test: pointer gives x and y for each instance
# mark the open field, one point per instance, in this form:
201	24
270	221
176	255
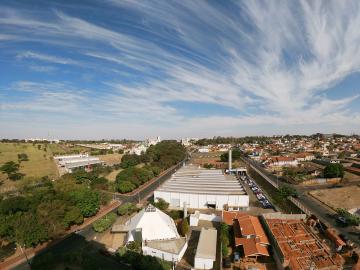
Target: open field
111	159
345	197
40	161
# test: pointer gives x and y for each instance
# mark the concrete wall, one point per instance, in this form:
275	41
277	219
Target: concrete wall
200	200
201	263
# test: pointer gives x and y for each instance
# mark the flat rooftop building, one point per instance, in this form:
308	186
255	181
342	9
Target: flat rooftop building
202	188
71	162
206	249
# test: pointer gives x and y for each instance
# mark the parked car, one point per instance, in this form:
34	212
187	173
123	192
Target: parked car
236	257
341	220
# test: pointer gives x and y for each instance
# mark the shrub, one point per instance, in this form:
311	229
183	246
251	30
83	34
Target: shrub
184	229
176	214
104	223
126	209
125	187
161	204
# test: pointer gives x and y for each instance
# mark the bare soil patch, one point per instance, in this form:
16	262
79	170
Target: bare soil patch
345	197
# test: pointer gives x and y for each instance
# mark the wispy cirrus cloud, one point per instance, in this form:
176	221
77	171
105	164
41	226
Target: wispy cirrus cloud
270	62
46	58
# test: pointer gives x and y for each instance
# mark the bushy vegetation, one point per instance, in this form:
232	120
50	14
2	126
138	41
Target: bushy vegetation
161	204
224	238
351	219
286	191
104	223
12	170
126	209
184	227
156	159
23	157
44	210
236	155
176	214
334	170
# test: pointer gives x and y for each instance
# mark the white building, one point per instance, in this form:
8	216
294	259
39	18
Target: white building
71	162
157	233
204	149
201	189
206	249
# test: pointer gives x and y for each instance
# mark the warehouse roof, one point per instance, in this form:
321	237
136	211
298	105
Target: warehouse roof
191	179
206	248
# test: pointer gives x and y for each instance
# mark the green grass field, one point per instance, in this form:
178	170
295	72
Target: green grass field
40	161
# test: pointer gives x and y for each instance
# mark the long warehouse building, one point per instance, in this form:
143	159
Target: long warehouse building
202	188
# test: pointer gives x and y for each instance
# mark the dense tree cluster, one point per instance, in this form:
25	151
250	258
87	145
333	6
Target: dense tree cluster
234	140
286	191
236	155
46	209
157	158
334	170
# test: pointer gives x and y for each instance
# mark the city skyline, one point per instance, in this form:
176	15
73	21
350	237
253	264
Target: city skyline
124	69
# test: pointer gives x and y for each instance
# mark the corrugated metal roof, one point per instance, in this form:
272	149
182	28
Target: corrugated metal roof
202	181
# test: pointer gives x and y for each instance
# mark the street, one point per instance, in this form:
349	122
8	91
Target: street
318	209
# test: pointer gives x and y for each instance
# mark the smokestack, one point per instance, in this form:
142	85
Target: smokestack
185	210
230	160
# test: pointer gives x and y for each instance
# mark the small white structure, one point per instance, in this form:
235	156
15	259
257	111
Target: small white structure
158	234
194	218
206	249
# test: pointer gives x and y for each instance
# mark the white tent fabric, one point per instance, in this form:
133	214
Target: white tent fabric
154	224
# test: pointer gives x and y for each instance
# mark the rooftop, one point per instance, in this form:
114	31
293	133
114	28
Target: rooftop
191	179
207	244
248	233
173	246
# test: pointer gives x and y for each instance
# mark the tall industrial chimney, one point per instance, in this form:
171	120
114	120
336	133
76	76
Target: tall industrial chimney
230	160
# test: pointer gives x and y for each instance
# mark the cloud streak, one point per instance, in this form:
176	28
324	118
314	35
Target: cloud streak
270	62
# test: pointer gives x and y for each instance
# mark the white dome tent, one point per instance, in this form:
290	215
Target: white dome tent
157	233
154	225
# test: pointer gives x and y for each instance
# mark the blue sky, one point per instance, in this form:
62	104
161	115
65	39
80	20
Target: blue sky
137	69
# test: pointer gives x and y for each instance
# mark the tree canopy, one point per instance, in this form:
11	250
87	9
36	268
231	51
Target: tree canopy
45	209
334	170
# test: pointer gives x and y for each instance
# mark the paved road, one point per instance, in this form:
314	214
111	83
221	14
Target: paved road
139	195
320	210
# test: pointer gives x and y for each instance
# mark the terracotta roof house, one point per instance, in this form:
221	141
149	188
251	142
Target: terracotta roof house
248	233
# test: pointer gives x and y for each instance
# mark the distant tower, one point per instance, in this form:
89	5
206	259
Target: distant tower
230	160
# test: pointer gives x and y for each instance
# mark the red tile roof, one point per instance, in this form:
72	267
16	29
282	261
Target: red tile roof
248	233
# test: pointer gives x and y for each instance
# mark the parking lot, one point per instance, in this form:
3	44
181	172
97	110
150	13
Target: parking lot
255	192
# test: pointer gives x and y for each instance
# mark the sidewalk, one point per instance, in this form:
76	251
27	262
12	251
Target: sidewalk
19	257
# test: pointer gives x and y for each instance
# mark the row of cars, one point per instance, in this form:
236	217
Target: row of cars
257	191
